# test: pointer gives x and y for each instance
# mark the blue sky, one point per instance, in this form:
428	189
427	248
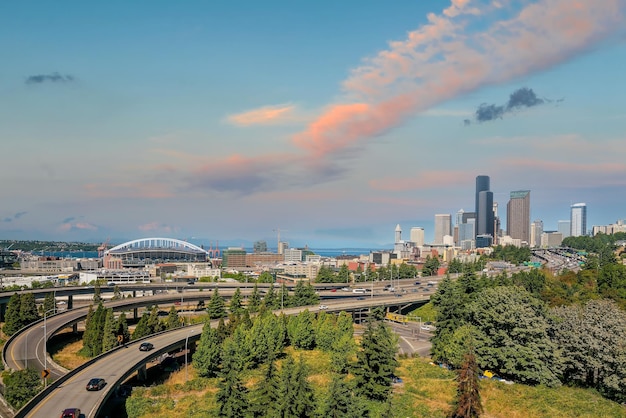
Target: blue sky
331	121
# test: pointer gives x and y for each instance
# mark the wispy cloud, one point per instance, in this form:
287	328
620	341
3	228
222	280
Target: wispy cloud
49	78
444	59
266	115
468	46
157	226
77	226
16	216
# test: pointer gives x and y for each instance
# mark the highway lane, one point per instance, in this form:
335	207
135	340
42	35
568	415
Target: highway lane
118	365
27	346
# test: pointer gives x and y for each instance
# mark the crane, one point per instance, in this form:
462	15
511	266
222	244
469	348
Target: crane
277	230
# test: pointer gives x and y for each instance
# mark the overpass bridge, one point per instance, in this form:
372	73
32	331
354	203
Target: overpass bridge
68	390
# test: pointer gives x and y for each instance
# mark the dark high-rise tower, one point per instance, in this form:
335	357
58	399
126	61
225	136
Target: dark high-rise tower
484	207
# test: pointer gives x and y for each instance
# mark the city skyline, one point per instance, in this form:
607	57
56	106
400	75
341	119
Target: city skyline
331	122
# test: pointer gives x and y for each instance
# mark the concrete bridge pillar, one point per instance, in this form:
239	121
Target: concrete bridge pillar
142	373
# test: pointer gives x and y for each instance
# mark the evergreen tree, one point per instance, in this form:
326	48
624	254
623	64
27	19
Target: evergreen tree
88	336
284	299
301	331
94	330
141	329
304	392
325	331
287	389
300	298
270	300
12	322
231	395
216	308
206	359
97	298
255	300
265	395
154	324
109	339
28	309
376	362
468	403
49	304
343	276
122	328
325	275
222	330
173	320
235	302
342	349
117	294
340	402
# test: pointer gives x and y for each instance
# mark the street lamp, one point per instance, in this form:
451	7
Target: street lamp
45	346
186	354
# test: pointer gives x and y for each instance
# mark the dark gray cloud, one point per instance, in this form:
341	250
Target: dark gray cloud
486	112
521	98
68	220
51	78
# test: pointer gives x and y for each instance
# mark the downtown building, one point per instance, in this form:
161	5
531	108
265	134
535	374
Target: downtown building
578	219
518	216
485	219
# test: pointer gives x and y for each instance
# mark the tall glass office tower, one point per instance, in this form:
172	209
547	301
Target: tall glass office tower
578	219
484	207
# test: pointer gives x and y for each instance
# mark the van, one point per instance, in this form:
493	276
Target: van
359	290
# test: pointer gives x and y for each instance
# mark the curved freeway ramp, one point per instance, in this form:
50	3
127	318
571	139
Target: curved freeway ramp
117	365
26	347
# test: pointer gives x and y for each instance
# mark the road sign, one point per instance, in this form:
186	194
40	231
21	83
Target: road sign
120	338
45	373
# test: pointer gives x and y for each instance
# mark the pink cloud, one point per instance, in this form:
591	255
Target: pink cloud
264	115
156	226
128	190
72	226
441	60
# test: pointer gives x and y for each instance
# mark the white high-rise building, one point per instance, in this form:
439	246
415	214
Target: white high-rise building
536	229
578	219
417	236
443	227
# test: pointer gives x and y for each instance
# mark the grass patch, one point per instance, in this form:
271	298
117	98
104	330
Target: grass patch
427	312
427	391
64	347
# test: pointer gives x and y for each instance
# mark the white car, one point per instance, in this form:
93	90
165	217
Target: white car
426	327
323	307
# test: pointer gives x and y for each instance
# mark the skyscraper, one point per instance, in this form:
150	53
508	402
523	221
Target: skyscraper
443	226
536	229
564	227
518	216
417	236
578	219
484	207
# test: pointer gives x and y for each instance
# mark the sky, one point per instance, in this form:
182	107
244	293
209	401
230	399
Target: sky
323	123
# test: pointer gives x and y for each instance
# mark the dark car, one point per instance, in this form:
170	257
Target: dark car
70	413
96	383
146	346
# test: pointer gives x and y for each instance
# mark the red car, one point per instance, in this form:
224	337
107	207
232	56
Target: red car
70	413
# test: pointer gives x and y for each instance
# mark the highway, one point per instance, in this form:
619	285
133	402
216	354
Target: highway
117	365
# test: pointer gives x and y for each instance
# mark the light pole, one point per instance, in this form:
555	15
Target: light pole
186	354
45	346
